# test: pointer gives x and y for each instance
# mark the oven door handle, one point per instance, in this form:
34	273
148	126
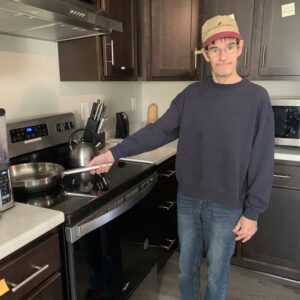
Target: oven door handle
114	209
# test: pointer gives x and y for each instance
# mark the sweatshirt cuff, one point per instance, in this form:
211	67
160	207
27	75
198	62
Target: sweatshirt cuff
116	152
251	214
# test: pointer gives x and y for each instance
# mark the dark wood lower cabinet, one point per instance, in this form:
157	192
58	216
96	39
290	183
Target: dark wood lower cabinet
165	196
51	289
33	272
275	248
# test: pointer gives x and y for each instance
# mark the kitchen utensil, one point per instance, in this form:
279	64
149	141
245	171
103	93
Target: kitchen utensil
93	123
42	176
81	152
103	123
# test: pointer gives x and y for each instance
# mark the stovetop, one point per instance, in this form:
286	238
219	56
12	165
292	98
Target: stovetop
80	195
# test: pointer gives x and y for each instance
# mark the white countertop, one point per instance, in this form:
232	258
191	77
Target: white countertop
156	156
287	153
24	223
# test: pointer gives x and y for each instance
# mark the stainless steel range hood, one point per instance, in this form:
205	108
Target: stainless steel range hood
53	20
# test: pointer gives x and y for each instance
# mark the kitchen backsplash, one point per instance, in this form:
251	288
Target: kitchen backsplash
30	85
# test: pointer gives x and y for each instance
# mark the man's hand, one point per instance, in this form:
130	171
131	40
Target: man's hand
245	229
103	158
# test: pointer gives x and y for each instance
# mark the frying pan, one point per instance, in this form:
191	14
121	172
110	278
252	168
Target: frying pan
41	176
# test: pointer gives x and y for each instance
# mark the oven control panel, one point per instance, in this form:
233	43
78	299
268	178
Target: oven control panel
28	133
31	135
65	126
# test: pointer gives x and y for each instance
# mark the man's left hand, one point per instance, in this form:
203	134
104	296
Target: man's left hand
245	229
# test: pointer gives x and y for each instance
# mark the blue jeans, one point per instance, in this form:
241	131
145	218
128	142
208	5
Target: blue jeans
209	223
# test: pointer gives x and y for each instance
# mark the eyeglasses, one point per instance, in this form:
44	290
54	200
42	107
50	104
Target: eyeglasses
228	49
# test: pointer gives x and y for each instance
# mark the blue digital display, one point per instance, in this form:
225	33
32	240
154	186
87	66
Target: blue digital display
29	129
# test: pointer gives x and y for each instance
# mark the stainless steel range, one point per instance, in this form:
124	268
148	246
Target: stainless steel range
107	249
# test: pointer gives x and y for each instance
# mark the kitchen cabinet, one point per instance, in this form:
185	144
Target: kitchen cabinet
168	35
165	196
243	12
120	48
275	248
276	31
34	272
111	57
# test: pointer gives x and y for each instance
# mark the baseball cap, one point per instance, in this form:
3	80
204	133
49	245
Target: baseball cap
219	27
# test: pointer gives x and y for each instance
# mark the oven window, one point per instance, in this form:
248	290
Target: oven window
287	121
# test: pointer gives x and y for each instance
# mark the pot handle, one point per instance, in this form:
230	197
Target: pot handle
77	130
84	169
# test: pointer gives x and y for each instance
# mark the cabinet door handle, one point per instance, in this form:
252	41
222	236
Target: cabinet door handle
246	57
196	52
167	173
170	245
25	281
282	176
263	56
171	204
111	44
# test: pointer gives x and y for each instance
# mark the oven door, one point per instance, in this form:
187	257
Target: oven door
115	254
287	122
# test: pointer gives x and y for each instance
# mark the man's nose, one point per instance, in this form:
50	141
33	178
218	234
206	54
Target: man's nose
222	54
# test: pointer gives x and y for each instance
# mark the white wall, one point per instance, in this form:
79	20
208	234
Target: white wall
30	85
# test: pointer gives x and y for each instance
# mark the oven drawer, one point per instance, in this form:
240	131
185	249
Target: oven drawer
286	176
27	269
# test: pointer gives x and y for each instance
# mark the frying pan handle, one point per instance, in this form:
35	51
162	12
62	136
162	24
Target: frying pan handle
84	169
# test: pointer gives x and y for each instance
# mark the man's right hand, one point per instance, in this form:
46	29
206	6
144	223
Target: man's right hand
103	158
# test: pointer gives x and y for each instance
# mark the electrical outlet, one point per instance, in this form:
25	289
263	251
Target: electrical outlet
133	104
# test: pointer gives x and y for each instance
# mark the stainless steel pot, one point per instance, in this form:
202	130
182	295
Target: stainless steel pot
41	176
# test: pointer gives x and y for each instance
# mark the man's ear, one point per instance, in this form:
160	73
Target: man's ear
204	53
240	48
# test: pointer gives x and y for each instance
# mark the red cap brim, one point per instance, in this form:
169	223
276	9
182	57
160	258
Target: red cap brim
220	35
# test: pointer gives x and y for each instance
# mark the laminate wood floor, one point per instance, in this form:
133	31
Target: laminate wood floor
243	284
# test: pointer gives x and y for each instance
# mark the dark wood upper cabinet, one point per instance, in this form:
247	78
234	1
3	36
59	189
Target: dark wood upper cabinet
80	59
169	34
111	57
120	48
277	40
243	12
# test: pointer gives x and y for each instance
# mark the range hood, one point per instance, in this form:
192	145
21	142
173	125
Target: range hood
53	20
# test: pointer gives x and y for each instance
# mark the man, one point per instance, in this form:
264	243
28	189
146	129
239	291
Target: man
224	161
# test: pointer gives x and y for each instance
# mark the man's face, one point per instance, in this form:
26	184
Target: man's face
223	55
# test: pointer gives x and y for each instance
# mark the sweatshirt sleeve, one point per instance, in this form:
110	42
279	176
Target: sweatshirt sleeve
261	167
152	136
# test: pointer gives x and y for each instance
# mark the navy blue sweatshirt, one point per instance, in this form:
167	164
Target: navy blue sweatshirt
225	149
